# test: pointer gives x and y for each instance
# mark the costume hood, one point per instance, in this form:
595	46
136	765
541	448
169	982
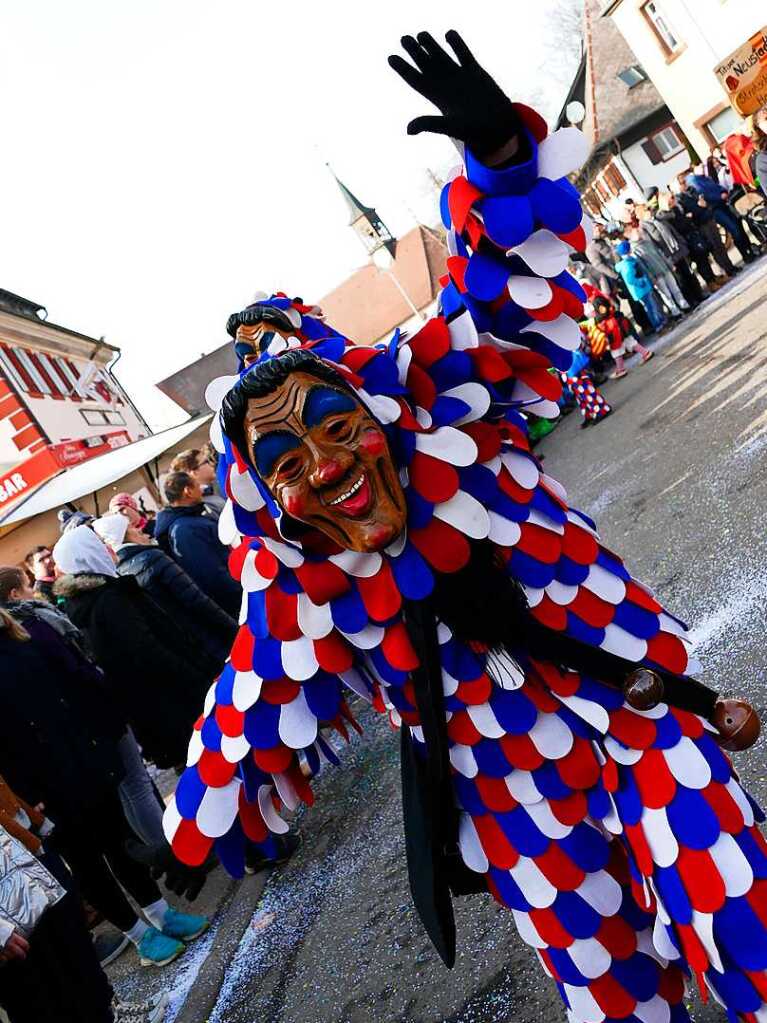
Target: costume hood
80	550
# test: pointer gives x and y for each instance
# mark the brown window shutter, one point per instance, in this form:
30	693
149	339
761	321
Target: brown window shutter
653	153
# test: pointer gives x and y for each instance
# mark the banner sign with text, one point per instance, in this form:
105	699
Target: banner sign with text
743	75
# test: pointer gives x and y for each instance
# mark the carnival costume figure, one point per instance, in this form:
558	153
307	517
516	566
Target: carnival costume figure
395	536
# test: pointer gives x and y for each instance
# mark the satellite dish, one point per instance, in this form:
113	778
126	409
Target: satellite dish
575	112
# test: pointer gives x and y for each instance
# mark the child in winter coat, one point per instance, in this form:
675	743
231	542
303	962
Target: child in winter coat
618	331
637	280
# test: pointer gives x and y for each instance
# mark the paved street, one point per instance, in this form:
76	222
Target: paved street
677	480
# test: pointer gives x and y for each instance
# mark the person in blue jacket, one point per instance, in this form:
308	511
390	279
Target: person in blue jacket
190	535
714	197
637	280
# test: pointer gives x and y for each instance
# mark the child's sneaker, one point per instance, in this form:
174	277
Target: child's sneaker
158	949
647	356
150	1011
619	374
184	926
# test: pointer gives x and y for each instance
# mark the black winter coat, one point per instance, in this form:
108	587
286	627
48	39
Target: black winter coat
59	725
147	662
190	535
206	626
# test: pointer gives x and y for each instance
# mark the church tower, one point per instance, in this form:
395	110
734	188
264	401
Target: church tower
366	223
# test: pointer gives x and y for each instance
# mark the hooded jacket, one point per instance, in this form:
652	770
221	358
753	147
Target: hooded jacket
149	668
202	620
27	889
190	535
635	277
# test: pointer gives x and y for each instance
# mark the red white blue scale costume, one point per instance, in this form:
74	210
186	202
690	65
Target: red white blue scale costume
621	840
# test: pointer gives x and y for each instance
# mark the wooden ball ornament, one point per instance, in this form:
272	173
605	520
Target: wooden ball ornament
738	724
643	689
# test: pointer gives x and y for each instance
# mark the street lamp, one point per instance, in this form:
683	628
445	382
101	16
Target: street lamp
384	260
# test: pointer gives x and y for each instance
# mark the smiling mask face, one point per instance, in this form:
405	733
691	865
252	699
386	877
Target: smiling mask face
326	462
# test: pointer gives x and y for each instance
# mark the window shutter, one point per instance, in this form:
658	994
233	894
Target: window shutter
652	151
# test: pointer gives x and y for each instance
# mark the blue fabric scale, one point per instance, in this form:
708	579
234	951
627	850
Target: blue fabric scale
691	819
508	220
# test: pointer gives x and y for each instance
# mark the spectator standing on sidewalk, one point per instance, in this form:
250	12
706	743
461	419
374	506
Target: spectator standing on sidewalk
197	464
674	247
207	628
150	669
639	284
59	736
190	535
127	505
671	214
714	198
702	215
660	269
39	564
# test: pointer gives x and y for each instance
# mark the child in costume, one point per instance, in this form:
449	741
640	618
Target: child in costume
394	535
590	400
639	283
618	330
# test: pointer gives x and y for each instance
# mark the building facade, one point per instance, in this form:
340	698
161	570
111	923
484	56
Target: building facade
679	44
60	404
636	143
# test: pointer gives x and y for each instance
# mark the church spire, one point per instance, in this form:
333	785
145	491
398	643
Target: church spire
365	221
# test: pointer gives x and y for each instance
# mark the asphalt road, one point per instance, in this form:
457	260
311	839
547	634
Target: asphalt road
677	480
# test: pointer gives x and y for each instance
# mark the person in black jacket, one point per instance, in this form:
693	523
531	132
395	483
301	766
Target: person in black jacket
190	535
59	736
151	672
206	627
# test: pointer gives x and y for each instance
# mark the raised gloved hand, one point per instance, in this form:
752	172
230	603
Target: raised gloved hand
176	876
473	108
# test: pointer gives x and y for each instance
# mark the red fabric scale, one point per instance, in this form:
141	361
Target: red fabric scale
421	386
475	692
495	794
551	310
461	197
636	839
357	357
668	651
300	784
656	783
557	867
702	879
512	489
282	614
565	683
273	761
672	985
611	997
190	845
541	544
617	936
520	752
214	770
690	724
397	648
579	545
460	729
252	822
229	720
552	615
486	437
610	777
579	768
456	267
576	238
548	962
444	548
548	925
431	342
592	609
724	806
494	842
237	557
631	729
693	950
489	364
333	653
380	594
571	810
542	382
641	598
279	692
241	656
322	581
434	480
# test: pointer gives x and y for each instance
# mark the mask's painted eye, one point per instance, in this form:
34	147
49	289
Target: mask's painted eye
338	428
290	467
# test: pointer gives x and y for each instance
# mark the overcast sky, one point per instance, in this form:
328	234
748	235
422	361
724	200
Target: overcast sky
165	159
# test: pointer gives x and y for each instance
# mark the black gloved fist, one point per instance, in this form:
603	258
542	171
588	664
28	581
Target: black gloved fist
163	865
474	109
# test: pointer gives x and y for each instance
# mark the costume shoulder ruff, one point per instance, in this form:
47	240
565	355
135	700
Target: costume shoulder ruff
620	839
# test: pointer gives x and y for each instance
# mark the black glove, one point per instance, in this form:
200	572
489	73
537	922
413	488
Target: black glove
474	109
163	865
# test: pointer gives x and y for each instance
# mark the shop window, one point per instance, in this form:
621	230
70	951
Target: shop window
663	144
723	125
114	419
614	179
94	417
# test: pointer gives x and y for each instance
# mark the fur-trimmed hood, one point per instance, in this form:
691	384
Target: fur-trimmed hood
67	586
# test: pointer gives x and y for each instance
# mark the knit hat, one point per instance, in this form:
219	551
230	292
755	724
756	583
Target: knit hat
123	500
80	550
112	529
623	248
71	519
